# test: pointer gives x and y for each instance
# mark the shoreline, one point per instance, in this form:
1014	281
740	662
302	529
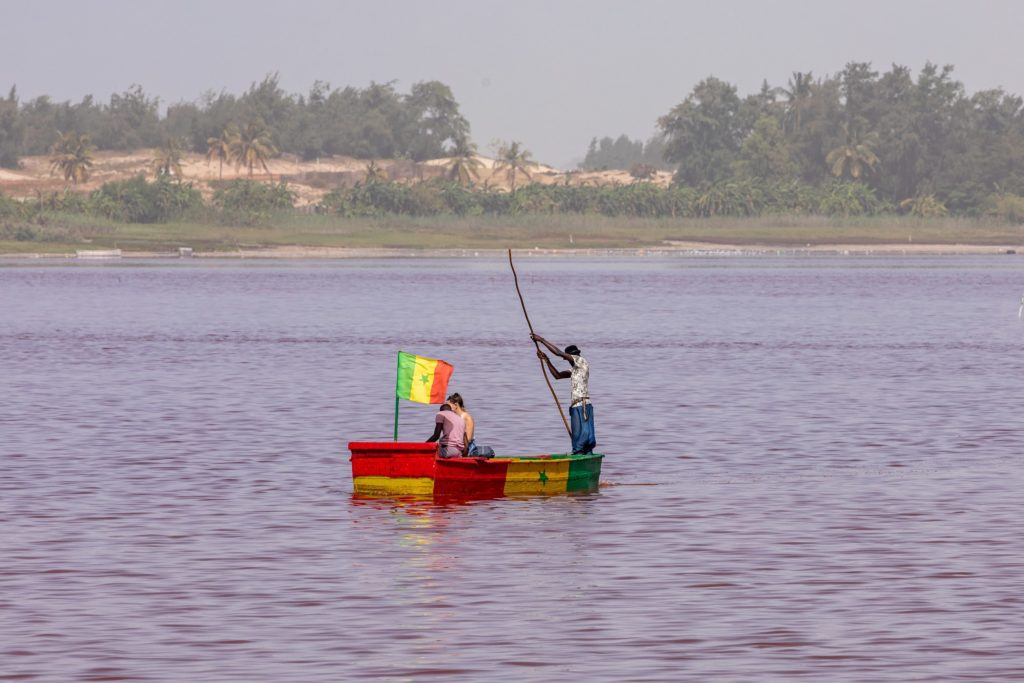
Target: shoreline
670	248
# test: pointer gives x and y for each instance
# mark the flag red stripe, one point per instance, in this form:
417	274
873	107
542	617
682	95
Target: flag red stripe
442	372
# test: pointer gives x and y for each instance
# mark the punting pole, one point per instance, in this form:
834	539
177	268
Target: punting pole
398	364
543	370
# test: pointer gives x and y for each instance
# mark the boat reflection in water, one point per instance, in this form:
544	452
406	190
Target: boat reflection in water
396	468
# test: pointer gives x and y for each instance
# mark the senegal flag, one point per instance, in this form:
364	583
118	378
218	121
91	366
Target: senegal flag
420	379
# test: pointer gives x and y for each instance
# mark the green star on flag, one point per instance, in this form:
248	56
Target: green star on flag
424	380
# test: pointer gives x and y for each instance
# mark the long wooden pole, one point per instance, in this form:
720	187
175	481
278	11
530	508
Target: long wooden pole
544	371
396	393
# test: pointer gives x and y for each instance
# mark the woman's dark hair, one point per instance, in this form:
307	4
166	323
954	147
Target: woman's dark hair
457	400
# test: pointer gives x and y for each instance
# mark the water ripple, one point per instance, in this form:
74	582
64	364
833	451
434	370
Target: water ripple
813	473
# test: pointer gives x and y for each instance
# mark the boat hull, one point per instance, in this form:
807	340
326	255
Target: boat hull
413	468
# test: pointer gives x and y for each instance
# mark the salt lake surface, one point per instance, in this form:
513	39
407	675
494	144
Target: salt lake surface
814	470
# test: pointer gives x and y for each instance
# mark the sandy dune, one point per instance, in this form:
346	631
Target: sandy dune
311	180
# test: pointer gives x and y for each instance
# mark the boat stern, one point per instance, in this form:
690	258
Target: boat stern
392	468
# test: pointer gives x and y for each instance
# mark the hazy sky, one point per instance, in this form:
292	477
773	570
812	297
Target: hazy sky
549	73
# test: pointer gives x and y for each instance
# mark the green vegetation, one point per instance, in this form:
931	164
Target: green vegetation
168	159
728	198
72	156
923	144
372	122
62	233
464	167
243	202
512	160
167	213
251	146
136	201
12	133
220	148
855	156
624	153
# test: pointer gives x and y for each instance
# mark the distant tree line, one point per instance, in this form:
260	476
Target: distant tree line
624	153
372	122
854	143
913	141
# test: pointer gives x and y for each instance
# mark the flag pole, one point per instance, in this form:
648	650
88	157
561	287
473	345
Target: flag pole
536	344
398	364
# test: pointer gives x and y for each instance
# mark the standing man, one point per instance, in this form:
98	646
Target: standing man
581	411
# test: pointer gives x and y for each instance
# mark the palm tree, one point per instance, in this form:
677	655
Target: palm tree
220	147
72	155
252	147
798	95
463	166
168	159
925	206
374	173
856	158
512	158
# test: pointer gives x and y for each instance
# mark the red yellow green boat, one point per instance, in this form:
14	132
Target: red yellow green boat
396	468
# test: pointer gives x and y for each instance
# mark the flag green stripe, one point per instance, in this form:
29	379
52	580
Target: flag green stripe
419	379
406	369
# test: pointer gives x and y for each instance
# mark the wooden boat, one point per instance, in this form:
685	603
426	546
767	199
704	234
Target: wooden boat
390	468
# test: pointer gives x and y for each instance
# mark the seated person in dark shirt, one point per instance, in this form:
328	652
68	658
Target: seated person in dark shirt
450	428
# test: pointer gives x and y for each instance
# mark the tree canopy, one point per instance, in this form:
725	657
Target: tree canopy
920	137
377	121
902	136
624	153
71	155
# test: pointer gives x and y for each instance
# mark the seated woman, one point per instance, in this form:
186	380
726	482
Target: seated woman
459	407
472	449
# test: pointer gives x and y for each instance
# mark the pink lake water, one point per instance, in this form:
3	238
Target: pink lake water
813	472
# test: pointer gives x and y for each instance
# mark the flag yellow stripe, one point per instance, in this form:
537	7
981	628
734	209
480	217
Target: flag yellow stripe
422	379
536	476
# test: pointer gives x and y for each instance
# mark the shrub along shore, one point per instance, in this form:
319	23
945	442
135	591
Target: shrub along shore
160	215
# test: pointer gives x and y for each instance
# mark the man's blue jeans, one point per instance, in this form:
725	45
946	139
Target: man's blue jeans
581	419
